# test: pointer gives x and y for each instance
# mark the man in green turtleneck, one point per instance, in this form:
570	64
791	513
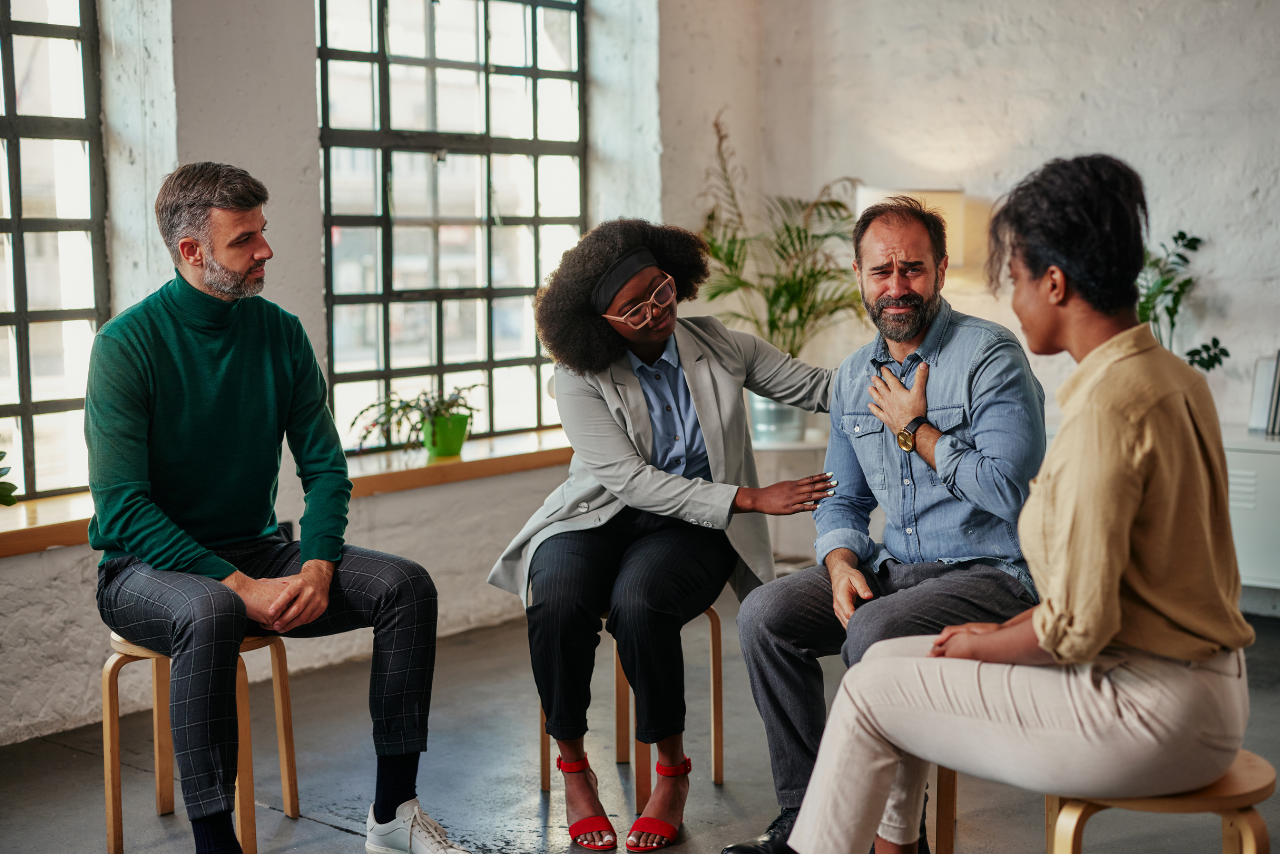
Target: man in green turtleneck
190	393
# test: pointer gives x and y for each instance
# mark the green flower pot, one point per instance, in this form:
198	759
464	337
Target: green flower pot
449	432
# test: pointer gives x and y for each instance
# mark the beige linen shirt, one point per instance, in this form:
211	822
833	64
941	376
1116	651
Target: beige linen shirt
1126	531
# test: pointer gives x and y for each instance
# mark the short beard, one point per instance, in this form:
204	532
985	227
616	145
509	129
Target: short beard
905	327
229	283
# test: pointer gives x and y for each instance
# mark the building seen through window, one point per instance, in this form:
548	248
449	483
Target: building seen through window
453	156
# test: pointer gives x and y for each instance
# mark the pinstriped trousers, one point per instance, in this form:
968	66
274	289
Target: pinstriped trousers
652	574
199	623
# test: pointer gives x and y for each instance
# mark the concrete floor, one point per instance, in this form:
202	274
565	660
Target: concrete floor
480	777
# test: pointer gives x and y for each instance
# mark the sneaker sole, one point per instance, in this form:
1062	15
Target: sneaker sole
370	848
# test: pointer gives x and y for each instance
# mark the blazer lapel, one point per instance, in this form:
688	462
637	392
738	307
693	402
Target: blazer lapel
628	386
697	373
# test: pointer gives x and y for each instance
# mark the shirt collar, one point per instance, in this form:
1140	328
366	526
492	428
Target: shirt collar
1074	388
929	348
199	309
669	355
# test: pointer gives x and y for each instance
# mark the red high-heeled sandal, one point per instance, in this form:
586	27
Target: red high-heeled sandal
657	826
591	824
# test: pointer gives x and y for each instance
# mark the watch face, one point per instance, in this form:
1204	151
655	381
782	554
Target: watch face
907	441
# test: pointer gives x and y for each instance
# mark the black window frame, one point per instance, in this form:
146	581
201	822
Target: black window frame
13	128
385	140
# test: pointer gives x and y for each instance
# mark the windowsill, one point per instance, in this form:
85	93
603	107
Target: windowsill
44	523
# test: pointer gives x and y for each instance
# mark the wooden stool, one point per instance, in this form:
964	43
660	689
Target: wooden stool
1250	780
126	652
622	724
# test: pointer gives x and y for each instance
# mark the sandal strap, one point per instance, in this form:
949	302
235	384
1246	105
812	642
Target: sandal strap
572	767
656	826
674	770
592	824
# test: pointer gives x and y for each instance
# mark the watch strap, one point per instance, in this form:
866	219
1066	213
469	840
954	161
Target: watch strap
915	424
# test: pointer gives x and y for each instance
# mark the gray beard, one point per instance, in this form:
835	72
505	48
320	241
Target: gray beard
904	328
228	282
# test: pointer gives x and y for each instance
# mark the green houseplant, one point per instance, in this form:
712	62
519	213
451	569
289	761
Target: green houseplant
790	282
7	489
1164	282
440	422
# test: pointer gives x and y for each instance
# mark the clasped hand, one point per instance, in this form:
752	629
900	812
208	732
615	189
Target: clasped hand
283	604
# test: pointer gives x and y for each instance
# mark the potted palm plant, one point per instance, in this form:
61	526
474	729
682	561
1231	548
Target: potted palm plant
440	422
790	283
7	489
1164	282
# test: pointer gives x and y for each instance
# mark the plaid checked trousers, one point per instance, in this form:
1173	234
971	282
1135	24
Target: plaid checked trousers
199	623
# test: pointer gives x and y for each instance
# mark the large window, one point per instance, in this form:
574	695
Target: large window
53	269
453	152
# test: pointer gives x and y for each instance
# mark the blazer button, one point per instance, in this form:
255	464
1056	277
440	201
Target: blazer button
583	507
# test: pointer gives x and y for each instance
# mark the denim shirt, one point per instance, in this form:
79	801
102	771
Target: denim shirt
678	446
989	407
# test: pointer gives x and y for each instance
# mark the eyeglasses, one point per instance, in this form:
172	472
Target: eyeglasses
640	316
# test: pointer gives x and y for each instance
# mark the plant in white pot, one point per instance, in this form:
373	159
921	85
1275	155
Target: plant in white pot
440	422
790	282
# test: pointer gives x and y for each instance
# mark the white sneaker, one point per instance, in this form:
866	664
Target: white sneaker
411	832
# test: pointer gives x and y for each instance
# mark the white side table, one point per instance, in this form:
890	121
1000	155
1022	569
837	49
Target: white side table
1253	483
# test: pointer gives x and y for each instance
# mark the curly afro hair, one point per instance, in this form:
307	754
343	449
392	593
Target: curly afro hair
573	334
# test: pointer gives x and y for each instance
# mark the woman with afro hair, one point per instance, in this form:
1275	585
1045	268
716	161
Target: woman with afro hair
662	506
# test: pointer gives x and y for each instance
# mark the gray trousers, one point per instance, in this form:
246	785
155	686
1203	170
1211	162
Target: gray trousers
787	625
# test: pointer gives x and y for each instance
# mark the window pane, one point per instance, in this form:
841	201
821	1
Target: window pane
477	397
411	183
513	257
409	107
413	334
60	358
353	174
558	109
515	398
357	260
350	25
464	330
459	101
11	443
59	269
353	95
457	30
512	176
62	458
462	261
510	34
4	176
550	414
357	338
513	328
6	272
558	186
557	40
556	240
8	373
408	388
65	12
55	178
512	113
407	27
461	183
348	399
412	251
50	77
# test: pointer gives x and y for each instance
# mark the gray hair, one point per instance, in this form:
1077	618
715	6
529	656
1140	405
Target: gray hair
182	206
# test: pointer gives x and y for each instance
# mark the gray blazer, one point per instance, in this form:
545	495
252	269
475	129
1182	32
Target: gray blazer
607	422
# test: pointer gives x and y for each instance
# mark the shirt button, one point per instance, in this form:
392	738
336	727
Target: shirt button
908	530
583	507
657	376
678	462
677	438
906	481
668	408
856	428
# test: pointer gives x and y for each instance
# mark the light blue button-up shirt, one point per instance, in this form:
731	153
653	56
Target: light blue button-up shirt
990	409
678	447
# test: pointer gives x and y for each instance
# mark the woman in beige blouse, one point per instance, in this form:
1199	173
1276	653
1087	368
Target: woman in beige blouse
1128	679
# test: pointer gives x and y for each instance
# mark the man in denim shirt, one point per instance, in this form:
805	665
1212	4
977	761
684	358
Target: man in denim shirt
940	421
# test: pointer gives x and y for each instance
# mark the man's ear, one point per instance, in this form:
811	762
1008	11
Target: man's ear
941	278
190	251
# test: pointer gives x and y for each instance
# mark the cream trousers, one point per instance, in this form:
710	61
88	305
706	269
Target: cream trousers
1130	724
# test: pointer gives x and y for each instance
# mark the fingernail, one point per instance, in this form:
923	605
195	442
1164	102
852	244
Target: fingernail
832	492
835	483
831	474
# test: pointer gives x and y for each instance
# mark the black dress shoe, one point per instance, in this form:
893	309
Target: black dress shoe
773	840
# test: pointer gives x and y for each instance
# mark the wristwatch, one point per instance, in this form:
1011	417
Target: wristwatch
907	435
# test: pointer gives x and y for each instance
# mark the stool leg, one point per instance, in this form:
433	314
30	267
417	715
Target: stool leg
1230	833
544	749
111	749
621	710
246	818
1250	831
717	701
162	735
1069	834
644	777
1052	806
284	727
945	833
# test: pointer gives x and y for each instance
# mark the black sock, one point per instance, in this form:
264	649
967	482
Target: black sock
397	783
216	834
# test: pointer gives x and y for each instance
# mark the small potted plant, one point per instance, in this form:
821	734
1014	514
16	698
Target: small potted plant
7	489
440	422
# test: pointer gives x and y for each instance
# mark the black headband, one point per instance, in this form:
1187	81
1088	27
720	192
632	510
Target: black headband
618	274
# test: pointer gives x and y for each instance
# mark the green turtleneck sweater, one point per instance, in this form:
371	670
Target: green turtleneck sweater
189	397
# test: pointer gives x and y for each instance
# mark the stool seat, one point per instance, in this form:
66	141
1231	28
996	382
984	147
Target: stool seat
124	647
1249	781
